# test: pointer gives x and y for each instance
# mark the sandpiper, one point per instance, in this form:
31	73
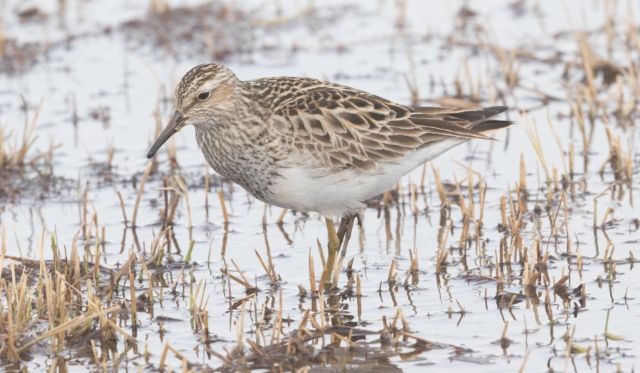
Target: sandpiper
310	145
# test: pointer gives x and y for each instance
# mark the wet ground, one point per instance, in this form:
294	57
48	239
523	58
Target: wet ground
498	256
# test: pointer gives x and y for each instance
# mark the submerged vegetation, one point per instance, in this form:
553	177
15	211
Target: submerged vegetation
545	229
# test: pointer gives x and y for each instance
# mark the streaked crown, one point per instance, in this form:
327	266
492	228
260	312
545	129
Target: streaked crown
200	78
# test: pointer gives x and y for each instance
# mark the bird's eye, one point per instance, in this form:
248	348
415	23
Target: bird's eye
203	96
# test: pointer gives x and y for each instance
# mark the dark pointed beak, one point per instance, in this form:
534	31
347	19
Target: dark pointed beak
175	125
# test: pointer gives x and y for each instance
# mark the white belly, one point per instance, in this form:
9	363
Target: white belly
334	192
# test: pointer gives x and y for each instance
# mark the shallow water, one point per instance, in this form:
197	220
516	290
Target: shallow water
92	54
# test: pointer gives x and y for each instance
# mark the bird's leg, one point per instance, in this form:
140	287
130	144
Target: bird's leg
335	241
347	236
343	229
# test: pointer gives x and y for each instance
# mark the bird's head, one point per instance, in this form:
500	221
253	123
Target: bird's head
202	92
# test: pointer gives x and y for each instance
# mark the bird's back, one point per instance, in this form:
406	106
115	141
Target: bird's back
343	146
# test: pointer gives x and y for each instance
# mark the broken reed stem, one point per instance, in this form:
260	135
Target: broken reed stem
164	355
3	245
336	272
239	271
223	206
440	187
414	205
185	192
206	190
504	330
124	213
140	190
595	203
524	361
84	210
321	251
312	276
66	326
558	142
534	137
132	287
568	353
392	275
266	268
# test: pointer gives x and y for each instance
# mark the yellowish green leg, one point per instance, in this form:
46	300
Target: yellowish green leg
346	236
333	246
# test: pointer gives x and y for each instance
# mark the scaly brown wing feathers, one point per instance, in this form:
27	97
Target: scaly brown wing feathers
344	127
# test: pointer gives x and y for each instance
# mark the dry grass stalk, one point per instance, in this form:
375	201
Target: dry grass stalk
504	330
524	361
413	191
576	108
523	175
269	270
245	283
413	269
3	245
223	206
239	271
66	326
312	277
336	272
595	203
134	308
84	210
140	190
439	186
346	340
392	272
548	306
442	254
240	326
15	157
530	275
589	61
571	159
461	200
569	346
606	215
503	212
534	137
483	197
558	142
163	356
579	259
321	253
417	338
185	193
146	271
621	163
124	213
399	316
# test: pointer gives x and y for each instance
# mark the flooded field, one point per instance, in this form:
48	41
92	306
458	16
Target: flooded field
516	255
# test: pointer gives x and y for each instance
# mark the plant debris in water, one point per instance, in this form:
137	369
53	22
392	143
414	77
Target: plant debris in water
214	29
527	265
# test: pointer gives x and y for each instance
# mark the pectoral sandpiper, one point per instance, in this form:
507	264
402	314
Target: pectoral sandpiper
311	145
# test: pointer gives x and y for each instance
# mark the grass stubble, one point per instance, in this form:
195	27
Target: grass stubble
73	302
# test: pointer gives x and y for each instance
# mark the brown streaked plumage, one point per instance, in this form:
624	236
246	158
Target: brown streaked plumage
311	145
